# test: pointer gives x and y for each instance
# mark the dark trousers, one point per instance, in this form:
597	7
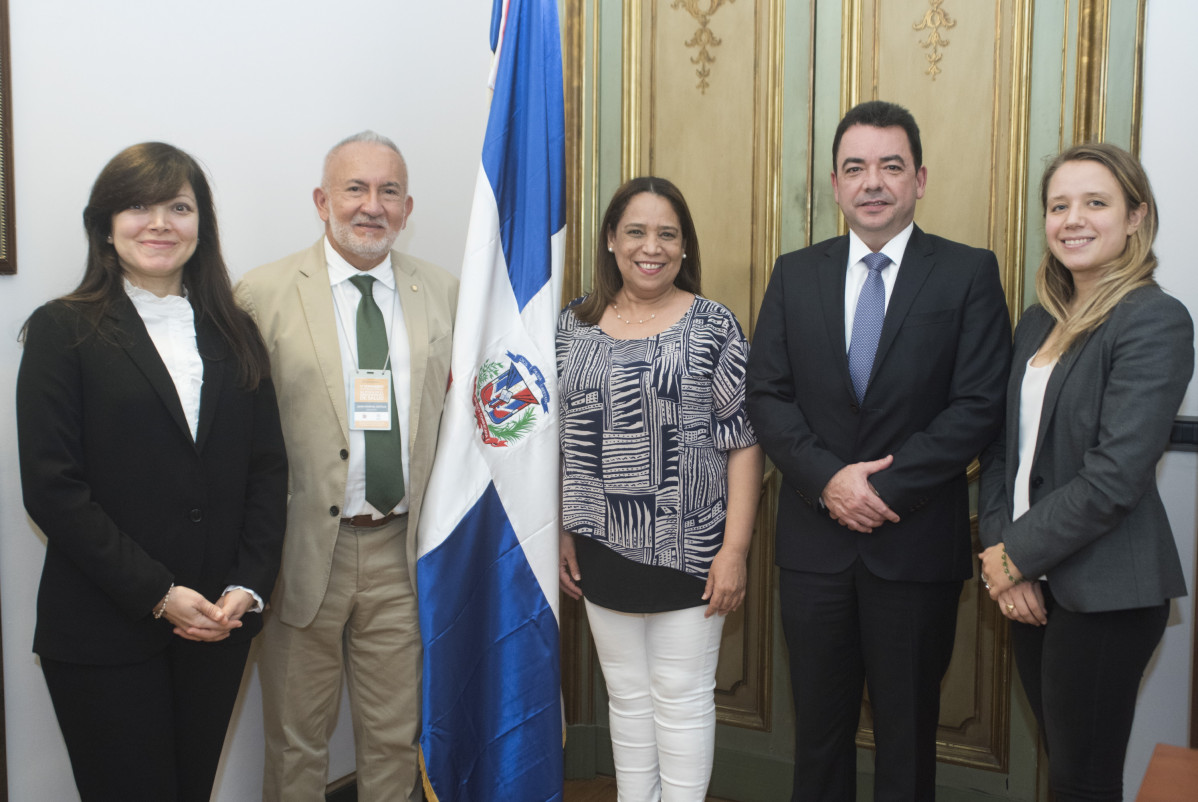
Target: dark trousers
853	628
152	730
1082	673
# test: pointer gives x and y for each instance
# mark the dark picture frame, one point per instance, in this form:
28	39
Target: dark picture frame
8	228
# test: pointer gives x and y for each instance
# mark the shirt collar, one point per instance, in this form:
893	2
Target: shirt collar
341	270
147	303
894	249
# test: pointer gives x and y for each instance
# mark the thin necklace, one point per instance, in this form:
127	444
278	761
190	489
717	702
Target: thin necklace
628	321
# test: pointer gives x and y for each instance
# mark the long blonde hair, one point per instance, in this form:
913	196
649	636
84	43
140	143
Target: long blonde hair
1131	270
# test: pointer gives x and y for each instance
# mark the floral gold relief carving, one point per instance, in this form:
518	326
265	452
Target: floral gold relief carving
704	38
934	19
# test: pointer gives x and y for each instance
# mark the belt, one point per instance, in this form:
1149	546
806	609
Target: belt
364	520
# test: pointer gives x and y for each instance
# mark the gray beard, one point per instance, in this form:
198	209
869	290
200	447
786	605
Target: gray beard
363	248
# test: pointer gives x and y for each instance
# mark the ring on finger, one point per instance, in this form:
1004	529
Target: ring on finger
1010	608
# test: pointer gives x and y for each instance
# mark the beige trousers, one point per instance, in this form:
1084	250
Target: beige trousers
366	630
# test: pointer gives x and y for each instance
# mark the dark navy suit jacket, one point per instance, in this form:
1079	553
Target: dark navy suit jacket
934	401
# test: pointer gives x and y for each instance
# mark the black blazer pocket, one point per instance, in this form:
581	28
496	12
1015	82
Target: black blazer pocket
929	318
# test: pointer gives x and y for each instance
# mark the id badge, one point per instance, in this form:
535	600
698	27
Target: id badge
371	400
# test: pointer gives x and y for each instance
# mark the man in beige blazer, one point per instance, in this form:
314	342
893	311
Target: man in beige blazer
345	603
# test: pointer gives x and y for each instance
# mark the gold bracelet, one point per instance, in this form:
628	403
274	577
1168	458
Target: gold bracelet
162	609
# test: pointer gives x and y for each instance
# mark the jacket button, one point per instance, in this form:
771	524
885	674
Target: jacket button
196	516
334	511
344	454
854	408
1037	481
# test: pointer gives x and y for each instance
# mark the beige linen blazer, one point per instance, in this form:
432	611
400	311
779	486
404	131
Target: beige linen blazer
292	302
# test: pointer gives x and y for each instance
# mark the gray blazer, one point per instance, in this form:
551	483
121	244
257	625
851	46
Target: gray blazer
1096	525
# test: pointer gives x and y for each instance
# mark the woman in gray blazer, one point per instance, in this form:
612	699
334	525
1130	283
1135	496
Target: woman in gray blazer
1079	554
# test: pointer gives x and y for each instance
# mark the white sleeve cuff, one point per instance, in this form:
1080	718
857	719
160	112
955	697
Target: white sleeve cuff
258	606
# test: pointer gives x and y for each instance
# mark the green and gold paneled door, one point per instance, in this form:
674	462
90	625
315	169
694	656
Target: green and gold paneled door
736	101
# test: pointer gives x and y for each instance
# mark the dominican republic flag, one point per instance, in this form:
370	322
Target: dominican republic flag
487	570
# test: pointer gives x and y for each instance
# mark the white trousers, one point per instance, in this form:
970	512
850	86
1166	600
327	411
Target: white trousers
660	673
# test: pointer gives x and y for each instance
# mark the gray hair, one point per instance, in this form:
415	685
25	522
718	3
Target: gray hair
368	136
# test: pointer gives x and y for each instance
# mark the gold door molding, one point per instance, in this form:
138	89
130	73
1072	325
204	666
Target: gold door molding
1089	112
1098	65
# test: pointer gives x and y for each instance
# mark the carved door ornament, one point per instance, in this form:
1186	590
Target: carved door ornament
704	37
933	20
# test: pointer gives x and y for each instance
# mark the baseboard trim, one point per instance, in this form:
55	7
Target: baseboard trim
343	790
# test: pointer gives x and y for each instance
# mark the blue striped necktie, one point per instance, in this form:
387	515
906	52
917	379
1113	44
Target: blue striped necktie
867	323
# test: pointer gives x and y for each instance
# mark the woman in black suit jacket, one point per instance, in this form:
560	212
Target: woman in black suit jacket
1079	552
153	461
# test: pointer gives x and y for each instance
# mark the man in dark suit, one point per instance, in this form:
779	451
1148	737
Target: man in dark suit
877	374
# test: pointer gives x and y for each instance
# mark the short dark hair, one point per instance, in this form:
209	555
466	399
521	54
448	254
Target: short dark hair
607	278
880	114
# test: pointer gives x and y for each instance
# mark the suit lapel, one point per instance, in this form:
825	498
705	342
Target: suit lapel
411	299
316	298
832	274
918	262
137	344
1055	382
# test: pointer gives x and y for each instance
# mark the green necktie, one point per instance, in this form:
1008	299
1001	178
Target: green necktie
384	465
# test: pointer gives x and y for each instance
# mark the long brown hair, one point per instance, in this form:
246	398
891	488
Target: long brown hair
608	280
1132	269
151	173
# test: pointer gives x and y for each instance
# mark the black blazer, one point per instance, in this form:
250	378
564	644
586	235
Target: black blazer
127	501
935	399
1096	524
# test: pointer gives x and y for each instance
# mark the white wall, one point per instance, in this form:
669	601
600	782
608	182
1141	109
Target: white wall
1169	121
257	90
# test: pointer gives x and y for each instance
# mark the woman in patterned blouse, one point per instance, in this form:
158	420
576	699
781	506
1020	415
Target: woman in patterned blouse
661	474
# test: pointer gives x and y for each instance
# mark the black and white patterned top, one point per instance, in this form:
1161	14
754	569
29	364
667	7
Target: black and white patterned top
645	427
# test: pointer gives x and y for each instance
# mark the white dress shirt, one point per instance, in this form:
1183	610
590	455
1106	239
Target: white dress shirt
858	272
1031	406
345	304
171	324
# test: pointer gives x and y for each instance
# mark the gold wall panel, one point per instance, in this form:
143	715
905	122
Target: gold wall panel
961	67
710	123
713	141
743	674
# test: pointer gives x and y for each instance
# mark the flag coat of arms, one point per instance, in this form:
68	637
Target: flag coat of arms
488	534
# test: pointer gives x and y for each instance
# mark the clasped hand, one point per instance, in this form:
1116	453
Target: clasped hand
197	619
852	501
998	570
1024	603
